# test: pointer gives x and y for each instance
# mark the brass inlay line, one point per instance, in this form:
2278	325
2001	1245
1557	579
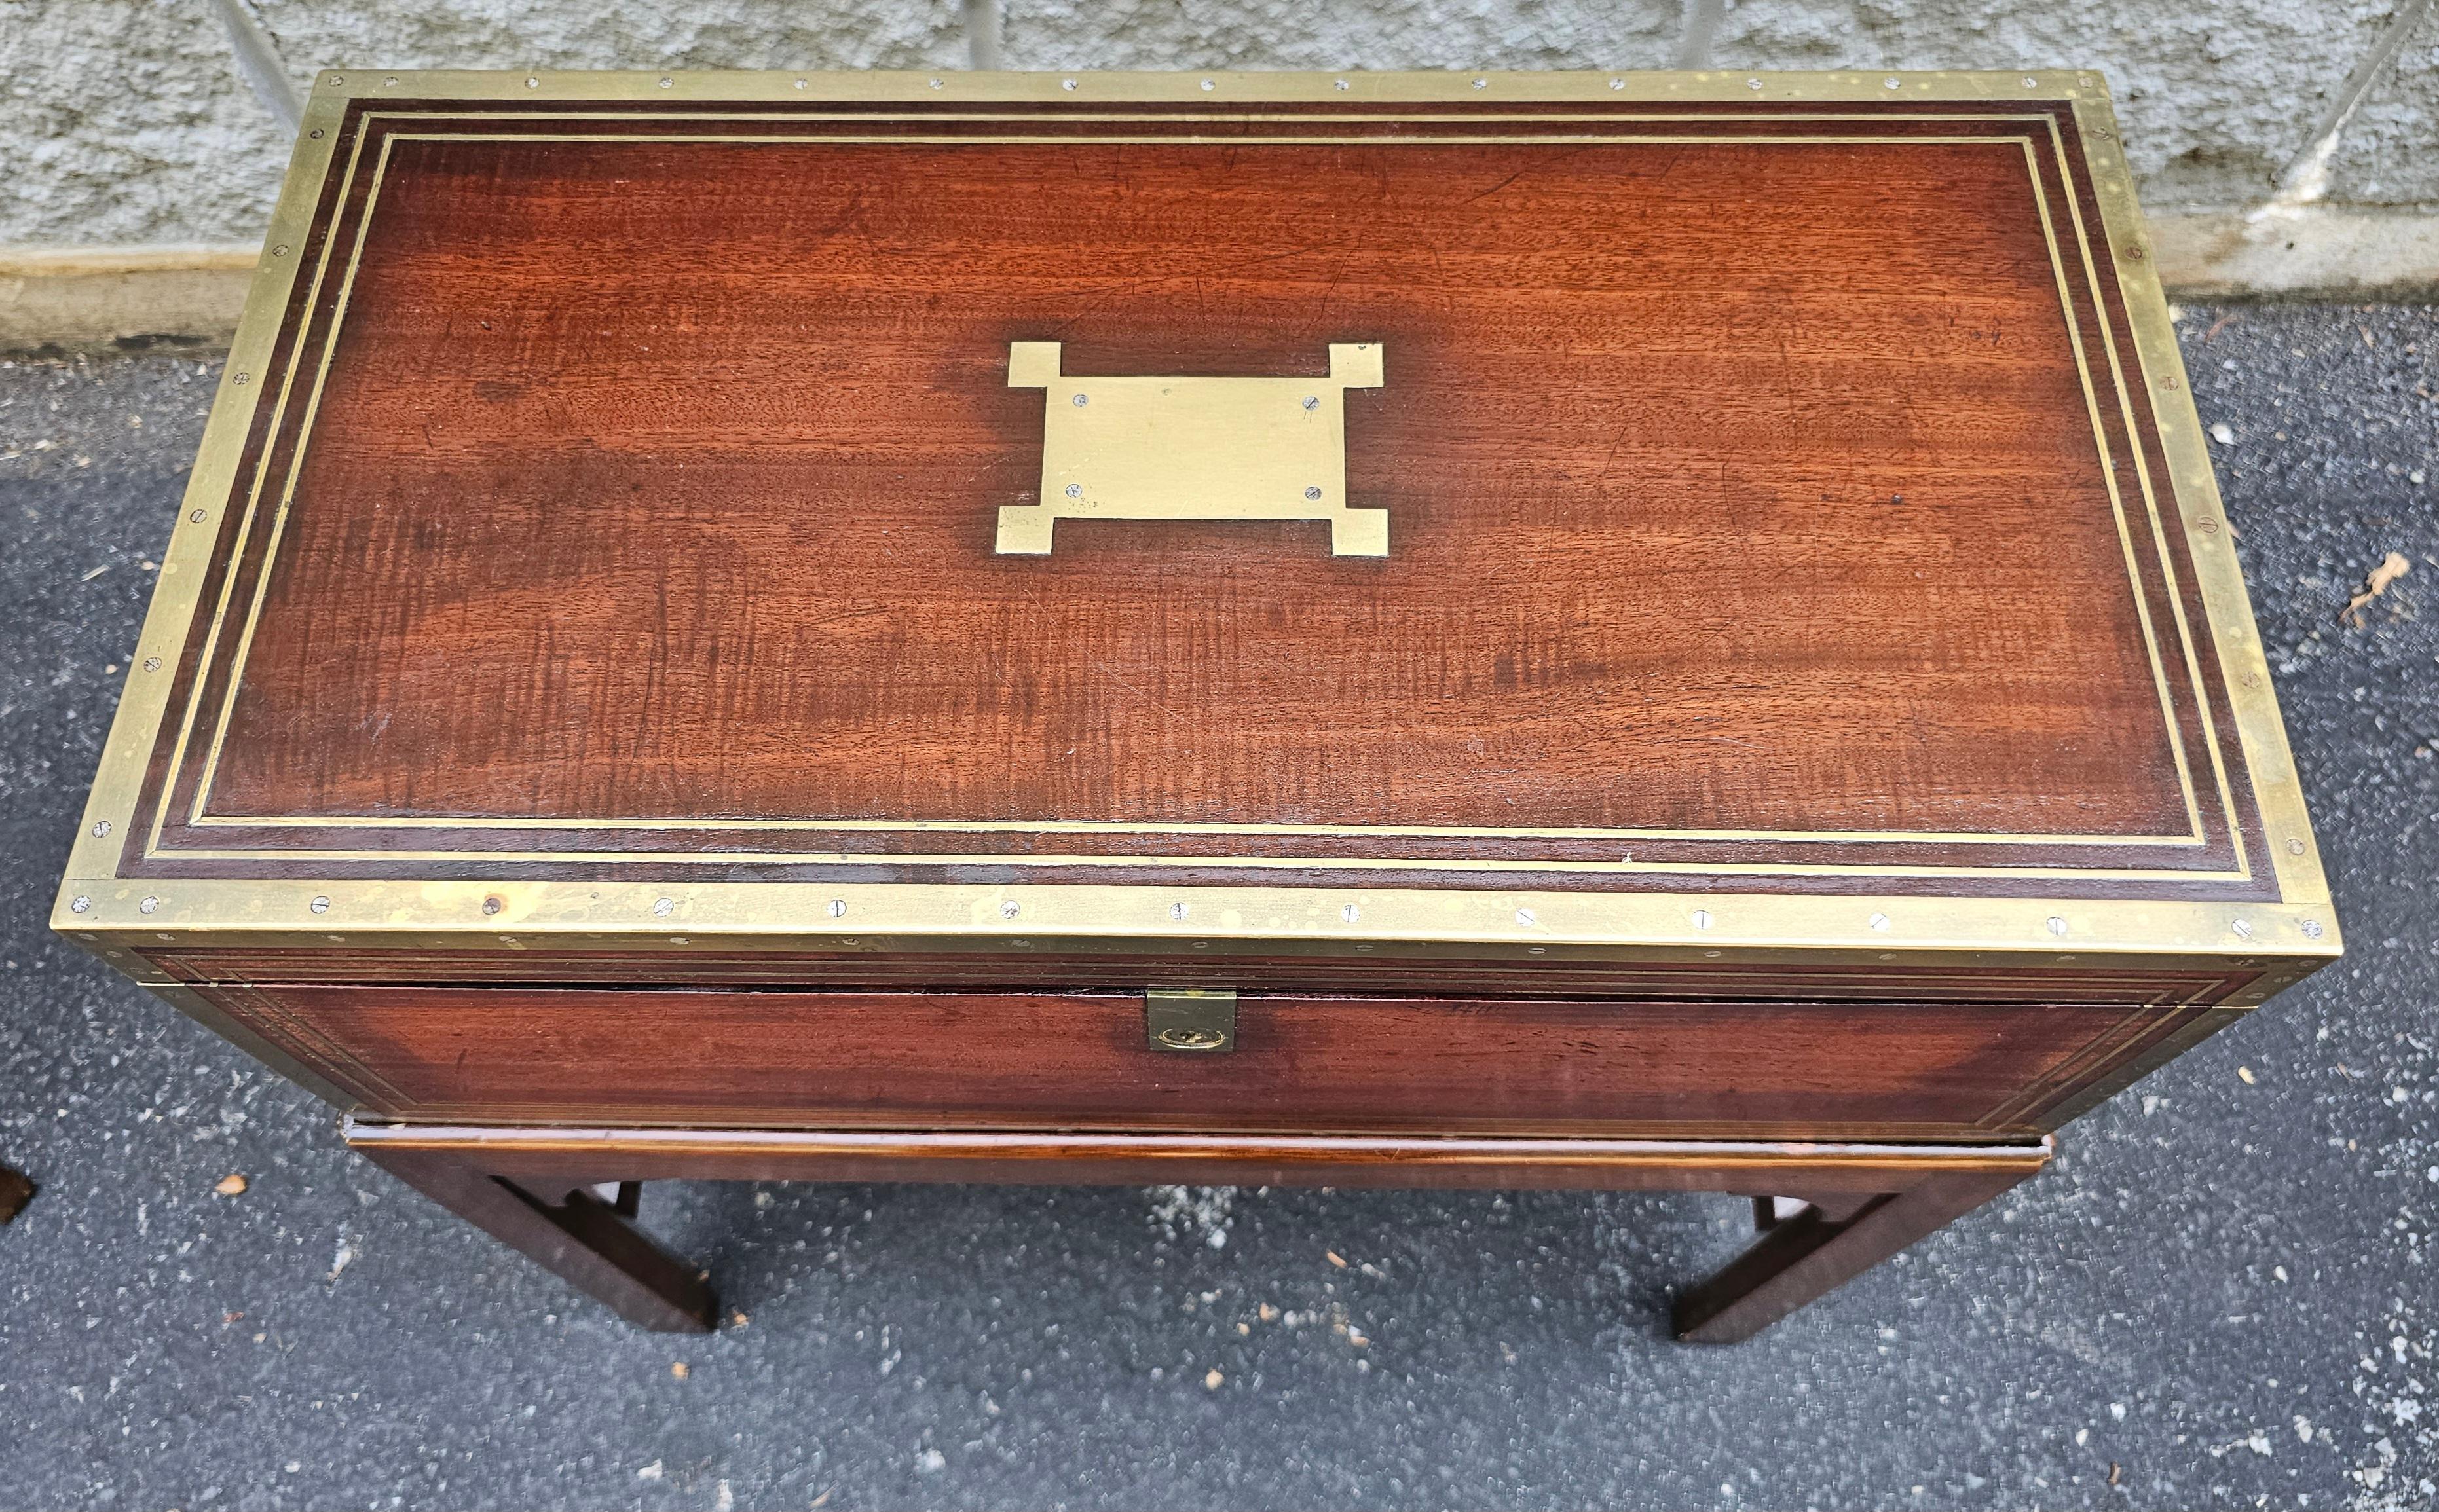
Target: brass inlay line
1289	862
1181	826
2109	480
245	528
2151	504
2194	836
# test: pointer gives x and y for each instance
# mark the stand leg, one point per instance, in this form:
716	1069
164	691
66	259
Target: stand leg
584	1240
1828	1244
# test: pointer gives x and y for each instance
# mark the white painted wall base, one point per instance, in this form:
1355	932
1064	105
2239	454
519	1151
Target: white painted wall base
121	298
2314	253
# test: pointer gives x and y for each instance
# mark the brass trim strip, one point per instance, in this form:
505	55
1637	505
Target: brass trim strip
1054	919
477	1142
2244	668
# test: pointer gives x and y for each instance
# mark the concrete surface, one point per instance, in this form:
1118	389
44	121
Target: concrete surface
126	122
2221	1296
2316	252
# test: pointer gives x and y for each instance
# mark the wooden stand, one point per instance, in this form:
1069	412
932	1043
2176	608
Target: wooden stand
538	1190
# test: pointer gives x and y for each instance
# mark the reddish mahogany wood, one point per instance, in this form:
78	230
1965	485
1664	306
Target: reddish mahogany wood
588	1242
559	1159
843	1060
1823	1247
1541	976
1740	485
1750	495
1867	1202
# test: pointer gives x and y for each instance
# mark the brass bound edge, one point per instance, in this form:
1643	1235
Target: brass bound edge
96	907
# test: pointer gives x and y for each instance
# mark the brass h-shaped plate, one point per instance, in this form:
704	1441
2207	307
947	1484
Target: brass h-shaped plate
1194	449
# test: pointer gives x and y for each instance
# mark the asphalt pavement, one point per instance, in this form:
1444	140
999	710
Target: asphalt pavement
2221	1295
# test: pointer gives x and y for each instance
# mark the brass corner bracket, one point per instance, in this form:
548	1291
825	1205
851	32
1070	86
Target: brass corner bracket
1183	448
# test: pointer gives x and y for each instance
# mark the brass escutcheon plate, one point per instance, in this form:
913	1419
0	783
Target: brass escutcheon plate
1182	448
1190	1021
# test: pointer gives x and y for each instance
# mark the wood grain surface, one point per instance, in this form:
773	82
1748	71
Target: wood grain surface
1558	975
1303	1061
1734	485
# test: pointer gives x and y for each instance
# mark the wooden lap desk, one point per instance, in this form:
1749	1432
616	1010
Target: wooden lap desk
1574	630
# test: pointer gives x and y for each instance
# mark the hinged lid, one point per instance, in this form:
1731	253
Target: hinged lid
1519	513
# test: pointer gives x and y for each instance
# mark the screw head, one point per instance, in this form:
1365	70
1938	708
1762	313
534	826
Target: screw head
78	905
1340	83
838	908
2312	930
390	81
280	251
1008	910
1208	84
1350	912
2243	929
1894	83
2294	845
536	83
935	83
1880	921
1075	490
491	906
1752	83
2208	524
100	828
152	664
1312	402
1177	909
319	905
1312	490
198	517
1525	916
2058	925
239	379
1082	399
1701	918
664	906
1482	83
666	83
1066	84
2030	82
149	905
1617	83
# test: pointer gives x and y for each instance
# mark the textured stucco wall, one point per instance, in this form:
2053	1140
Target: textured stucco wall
125	121
2389	152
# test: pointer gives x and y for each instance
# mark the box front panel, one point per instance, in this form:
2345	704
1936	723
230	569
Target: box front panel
1300	1062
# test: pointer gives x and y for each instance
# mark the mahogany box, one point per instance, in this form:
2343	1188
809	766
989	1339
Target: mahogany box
1564	629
